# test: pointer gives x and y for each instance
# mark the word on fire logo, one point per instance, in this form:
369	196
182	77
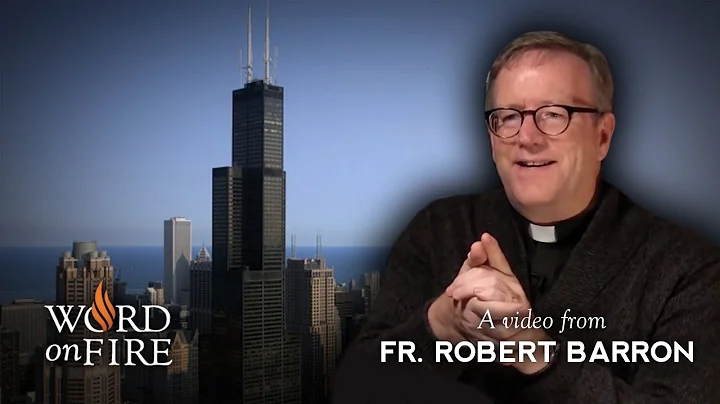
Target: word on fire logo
105	316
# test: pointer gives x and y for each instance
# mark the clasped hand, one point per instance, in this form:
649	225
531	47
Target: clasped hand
487	284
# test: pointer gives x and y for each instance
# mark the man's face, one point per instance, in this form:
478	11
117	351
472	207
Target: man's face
535	79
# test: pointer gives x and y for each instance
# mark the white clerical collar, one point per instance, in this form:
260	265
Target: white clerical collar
542	234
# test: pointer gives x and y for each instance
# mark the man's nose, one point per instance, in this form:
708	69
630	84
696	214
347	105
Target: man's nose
529	134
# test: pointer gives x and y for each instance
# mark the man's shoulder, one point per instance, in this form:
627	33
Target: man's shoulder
677	243
682	242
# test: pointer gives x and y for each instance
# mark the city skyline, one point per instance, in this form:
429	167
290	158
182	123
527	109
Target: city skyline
324	316
254	323
155	98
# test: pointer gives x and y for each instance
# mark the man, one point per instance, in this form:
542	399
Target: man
557	237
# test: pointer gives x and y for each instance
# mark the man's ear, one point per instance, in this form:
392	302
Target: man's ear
493	139
606	128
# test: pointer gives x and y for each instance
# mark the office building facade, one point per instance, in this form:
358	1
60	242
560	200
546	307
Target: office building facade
177	250
314	316
201	292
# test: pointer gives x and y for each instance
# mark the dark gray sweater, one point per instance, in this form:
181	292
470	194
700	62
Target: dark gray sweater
649	279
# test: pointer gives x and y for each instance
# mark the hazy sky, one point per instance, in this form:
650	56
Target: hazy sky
113	114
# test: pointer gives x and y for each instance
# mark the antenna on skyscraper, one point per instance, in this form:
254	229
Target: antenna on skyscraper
274	65
292	246
318	253
266	55
249	72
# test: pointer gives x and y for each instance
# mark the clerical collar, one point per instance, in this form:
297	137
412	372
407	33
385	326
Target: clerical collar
543	234
562	230
549	234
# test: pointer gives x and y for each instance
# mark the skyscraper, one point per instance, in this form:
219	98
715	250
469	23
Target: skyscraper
370	286
176	383
29	318
79	273
255	360
315	318
10	368
201	292
177	249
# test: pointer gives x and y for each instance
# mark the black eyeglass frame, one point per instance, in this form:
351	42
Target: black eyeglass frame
523	113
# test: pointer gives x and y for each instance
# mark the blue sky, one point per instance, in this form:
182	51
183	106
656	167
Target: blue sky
113	116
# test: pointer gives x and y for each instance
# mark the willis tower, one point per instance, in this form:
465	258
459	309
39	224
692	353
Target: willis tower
249	357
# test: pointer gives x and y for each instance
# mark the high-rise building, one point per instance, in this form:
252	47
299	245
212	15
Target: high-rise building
350	304
9	365
255	359
314	316
201	292
29	318
154	296
177	249
49	383
179	317
370	286
79	274
176	383
120	290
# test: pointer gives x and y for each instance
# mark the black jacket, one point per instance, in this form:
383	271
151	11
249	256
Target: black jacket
649	279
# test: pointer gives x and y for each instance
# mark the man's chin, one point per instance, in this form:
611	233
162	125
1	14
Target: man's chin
532	196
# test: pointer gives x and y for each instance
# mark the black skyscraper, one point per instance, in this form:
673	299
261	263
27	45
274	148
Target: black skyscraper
257	151
248	357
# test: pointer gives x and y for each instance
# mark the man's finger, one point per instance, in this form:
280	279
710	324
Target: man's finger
469	276
475	258
478	255
469	290
480	287
472	275
497	310
499	293
496	258
466	284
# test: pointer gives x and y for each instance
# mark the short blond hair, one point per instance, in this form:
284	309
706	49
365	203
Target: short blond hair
549	40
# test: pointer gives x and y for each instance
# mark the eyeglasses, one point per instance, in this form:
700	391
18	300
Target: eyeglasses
552	120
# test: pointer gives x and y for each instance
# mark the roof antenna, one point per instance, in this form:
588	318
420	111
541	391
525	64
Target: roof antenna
274	65
249	76
318	253
292	246
242	68
268	79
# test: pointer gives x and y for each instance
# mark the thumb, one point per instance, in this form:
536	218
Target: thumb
475	258
495	256
478	255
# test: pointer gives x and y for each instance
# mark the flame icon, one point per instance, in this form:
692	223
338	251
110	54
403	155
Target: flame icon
102	309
